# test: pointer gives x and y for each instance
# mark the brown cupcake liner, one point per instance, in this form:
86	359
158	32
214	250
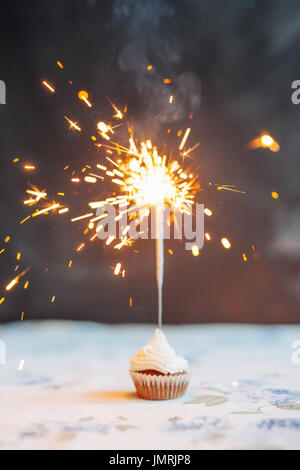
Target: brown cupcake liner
160	387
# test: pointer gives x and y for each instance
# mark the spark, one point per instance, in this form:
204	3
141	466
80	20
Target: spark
21	364
90	179
47	85
11	284
22	316
114	163
132	148
167	81
195	250
64	210
101	167
15	281
149	67
99	217
117	181
2	300
70	264
97	176
29	167
83	96
109	240
53	299
275	195
103	127
26	285
230	188
46	210
208	236
125	242
7	239
24	220
185	137
186	153
39	194
85	216
118	114
208	212
80	247
267	140
171	99
103	130
264	141
60	65
95	205
117	269
75	180
245	257
73	125
130	302
2	251
226	243
29	202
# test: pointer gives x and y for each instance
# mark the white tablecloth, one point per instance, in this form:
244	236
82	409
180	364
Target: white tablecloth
74	390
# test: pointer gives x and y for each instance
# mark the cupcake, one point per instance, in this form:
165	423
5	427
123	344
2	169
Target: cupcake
157	372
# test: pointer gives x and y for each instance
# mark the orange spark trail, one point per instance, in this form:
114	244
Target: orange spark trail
47	85
73	125
44	211
15	281
185	137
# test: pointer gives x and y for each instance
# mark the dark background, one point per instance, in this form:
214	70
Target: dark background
232	64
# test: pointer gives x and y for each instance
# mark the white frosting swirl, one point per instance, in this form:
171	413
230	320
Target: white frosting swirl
158	355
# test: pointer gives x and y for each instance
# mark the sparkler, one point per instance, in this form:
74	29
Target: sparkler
144	181
147	181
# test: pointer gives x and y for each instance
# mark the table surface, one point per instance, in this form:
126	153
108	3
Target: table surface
74	390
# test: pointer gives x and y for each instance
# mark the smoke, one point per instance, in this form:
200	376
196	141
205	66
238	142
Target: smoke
246	48
151	39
